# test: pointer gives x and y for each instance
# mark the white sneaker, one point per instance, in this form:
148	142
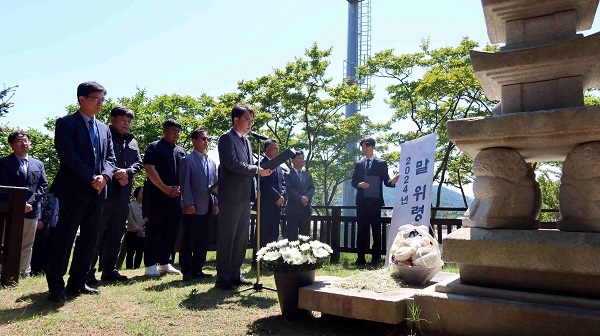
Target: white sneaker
168	268
151	271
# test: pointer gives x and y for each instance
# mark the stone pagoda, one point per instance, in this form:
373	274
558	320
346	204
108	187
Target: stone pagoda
517	279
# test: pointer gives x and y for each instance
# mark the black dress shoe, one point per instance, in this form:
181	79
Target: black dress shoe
241	282
57	296
360	262
84	290
188	277
202	275
113	276
223	285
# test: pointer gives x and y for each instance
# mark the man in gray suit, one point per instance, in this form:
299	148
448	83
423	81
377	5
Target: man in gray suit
197	172
300	189
236	190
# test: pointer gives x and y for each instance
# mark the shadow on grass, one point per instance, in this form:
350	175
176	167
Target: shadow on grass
309	324
38	305
214	297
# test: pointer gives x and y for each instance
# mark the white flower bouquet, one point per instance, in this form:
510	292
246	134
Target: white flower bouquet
300	255
416	259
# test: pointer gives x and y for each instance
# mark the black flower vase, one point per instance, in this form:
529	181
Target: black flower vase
288	285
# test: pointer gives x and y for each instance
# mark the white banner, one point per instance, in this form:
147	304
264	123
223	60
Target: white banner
412	203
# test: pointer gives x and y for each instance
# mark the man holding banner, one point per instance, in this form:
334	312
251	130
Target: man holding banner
368	176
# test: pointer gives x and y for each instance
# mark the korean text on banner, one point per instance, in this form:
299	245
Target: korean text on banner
412	203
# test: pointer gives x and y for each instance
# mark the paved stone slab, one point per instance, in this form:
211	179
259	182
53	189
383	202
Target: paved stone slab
459	314
388	307
455	286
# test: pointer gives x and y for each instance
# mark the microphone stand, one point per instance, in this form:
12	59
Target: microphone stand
258	286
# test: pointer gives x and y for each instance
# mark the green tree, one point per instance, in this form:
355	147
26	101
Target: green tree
430	88
302	108
5	95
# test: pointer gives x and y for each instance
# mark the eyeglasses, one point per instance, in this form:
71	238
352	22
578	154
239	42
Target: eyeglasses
97	99
248	120
23	141
174	130
204	138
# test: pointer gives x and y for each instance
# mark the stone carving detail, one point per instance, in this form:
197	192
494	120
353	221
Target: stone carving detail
580	189
506	193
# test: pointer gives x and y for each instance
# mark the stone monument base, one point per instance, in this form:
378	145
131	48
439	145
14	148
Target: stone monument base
453	308
548	261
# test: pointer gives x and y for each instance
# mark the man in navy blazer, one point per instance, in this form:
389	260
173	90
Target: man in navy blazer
236	190
300	189
368	207
272	190
197	172
19	169
87	162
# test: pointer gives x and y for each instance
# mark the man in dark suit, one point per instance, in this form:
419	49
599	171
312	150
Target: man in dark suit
162	199
300	189
197	172
19	169
116	206
236	190
272	189
87	163
368	204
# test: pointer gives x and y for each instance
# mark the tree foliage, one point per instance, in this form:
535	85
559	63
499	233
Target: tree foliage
5	95
431	87
302	108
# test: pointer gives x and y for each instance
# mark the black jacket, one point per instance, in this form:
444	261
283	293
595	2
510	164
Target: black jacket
127	156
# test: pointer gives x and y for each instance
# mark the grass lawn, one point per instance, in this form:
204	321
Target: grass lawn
168	306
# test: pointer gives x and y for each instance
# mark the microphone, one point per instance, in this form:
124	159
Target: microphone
258	136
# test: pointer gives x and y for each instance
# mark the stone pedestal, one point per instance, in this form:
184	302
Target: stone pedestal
528	282
549	261
453	308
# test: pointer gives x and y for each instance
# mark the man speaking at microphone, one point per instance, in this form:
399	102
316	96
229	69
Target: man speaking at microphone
236	190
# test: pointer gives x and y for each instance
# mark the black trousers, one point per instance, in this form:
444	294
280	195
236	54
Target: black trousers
369	219
232	239
135	250
161	231
81	213
41	250
194	242
113	223
297	223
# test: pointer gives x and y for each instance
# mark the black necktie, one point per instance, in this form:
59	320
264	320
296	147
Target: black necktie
94	139
22	167
367	165
247	149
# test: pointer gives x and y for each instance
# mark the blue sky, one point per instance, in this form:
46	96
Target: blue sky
196	46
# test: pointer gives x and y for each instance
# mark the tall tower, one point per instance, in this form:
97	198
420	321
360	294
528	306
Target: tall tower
358	49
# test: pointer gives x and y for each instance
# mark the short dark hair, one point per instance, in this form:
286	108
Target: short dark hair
136	192
121	110
87	88
268	143
238	111
297	154
196	133
171	123
368	141
15	134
